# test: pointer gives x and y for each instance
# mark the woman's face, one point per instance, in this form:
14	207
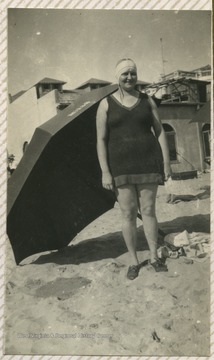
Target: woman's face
128	79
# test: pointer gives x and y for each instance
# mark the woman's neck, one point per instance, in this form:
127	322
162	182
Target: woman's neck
127	98
126	93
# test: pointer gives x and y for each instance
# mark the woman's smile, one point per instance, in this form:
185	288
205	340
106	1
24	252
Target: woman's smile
128	79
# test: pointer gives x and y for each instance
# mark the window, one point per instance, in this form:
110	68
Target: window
206	140
202	93
46	86
170	135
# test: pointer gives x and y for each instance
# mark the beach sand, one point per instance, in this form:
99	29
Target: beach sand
78	301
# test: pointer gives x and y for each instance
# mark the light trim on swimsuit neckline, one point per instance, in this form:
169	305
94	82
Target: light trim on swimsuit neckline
126	107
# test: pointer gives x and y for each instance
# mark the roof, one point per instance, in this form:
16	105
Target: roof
47	80
17	95
176	80
188	74
94	81
203	68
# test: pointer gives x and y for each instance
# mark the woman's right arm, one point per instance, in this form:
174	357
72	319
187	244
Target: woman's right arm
101	122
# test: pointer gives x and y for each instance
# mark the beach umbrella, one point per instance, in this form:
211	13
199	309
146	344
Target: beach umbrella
56	189
203	114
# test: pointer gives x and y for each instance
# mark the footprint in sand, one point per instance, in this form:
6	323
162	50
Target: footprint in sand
70	317
168	325
62	288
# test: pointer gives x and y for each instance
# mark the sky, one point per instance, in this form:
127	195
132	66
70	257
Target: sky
76	45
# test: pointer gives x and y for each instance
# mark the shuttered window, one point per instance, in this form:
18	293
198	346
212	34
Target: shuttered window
171	139
206	140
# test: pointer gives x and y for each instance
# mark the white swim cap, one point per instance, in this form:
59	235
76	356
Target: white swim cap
123	66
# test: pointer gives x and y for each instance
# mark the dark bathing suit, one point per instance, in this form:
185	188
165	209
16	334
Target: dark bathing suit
134	153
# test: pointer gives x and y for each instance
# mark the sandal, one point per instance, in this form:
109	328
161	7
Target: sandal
159	266
133	272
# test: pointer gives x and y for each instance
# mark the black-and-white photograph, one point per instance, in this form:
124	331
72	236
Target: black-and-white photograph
108	182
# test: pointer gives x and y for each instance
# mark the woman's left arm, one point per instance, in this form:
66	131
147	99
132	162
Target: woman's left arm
160	134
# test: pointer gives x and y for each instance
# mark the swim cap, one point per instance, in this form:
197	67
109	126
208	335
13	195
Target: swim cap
123	66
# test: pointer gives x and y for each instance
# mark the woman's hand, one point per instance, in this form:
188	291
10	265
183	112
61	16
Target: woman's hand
107	181
167	171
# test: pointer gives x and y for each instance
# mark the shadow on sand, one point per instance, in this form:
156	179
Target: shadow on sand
112	245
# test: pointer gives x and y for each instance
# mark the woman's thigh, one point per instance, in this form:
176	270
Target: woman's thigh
127	199
147	198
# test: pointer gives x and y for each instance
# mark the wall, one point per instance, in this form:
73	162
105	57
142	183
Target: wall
25	114
47	106
23	118
188	135
87	88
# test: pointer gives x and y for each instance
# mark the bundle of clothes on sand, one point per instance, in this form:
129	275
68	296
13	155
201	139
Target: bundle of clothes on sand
193	246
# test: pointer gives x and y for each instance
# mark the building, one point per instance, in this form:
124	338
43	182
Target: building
180	87
188	140
203	73
92	84
26	111
30	108
184	95
67	97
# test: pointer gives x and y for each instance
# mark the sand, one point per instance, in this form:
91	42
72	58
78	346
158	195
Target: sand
78	301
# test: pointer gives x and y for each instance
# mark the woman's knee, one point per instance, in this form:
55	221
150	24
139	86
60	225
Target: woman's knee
148	210
127	198
147	199
129	214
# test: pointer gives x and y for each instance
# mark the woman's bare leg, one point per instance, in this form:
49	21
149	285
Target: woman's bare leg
127	199
147	200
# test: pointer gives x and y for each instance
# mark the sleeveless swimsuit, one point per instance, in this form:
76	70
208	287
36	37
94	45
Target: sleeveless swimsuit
134	152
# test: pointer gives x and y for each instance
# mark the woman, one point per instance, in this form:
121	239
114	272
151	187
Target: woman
132	160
